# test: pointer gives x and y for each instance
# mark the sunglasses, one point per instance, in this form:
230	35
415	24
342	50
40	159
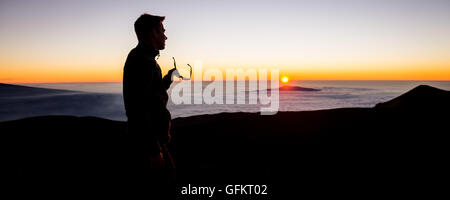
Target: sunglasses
178	73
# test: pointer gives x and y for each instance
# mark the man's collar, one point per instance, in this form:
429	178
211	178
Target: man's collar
148	50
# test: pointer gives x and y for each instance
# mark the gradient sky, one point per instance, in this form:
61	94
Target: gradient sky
85	41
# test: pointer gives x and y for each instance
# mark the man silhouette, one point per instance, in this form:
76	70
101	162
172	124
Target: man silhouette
145	93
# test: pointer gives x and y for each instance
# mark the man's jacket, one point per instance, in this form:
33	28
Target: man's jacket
145	95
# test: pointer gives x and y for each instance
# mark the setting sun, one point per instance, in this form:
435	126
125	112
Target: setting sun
285	79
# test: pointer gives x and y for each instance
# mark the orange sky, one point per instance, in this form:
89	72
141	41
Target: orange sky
98	74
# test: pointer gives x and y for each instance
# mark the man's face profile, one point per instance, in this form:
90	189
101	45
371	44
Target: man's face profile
158	38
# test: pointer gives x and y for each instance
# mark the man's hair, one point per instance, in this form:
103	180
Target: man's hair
146	23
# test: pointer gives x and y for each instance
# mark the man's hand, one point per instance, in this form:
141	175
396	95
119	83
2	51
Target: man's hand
169	73
168	78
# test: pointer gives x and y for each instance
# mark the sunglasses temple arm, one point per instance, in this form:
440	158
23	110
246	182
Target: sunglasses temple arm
190	71
174	62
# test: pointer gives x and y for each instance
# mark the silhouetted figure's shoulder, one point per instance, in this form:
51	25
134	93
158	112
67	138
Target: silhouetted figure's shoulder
133	54
140	65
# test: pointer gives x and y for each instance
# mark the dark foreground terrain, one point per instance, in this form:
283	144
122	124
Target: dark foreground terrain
396	149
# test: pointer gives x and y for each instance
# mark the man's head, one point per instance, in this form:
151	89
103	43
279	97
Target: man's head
150	30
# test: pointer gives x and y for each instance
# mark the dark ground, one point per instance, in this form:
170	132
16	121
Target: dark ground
397	149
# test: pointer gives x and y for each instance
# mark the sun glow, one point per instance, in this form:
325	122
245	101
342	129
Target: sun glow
285	79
